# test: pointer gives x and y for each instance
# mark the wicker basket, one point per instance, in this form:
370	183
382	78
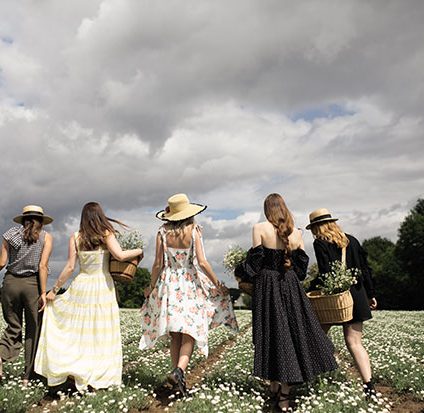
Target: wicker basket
332	309
123	271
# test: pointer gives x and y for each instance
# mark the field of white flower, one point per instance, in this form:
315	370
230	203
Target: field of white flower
394	340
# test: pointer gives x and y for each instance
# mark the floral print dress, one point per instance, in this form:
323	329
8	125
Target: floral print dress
184	300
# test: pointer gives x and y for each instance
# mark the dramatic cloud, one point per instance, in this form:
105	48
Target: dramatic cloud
128	102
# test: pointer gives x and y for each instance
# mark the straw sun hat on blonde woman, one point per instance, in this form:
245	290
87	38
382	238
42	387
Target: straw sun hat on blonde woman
320	215
179	208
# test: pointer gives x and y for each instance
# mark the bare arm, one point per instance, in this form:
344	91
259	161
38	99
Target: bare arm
43	268
256	236
67	270
203	262
4	257
297	240
117	252
157	265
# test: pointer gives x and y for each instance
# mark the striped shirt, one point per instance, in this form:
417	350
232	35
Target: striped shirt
24	259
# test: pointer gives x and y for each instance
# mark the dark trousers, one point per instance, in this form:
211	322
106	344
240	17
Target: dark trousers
19	296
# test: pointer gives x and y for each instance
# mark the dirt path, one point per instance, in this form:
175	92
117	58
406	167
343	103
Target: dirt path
401	403
165	397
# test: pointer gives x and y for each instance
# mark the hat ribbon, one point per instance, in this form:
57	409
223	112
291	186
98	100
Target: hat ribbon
320	217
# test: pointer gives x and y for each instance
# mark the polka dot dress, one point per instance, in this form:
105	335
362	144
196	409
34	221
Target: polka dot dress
290	345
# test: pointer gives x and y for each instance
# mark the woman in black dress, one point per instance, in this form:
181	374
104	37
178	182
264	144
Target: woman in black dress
290	346
328	244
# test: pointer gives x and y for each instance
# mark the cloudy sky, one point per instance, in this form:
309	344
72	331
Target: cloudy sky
126	102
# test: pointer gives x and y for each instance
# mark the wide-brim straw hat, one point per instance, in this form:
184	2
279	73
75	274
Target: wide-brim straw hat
320	215
33	211
179	208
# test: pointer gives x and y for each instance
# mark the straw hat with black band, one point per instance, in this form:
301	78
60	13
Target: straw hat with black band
320	215
33	211
179	208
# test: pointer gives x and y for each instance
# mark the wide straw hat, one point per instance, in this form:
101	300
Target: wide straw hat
179	208
33	211
320	215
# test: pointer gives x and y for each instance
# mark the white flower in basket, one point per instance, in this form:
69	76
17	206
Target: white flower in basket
234	256
332	301
130	240
124	271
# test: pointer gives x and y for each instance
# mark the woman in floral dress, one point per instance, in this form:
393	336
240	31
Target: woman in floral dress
185	298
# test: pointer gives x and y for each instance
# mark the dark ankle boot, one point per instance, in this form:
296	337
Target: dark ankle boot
177	377
369	389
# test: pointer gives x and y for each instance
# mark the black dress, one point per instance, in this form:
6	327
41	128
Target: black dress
290	345
356	257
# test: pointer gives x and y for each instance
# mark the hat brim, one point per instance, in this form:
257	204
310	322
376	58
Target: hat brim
321	220
190	211
45	218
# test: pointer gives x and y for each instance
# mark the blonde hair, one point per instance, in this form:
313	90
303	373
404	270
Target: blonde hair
331	232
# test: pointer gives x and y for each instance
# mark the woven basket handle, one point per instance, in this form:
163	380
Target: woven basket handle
344	256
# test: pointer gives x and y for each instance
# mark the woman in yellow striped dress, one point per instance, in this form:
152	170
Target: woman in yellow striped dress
80	336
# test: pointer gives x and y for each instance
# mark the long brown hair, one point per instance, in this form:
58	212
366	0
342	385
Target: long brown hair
331	232
278	214
94	227
176	228
32	228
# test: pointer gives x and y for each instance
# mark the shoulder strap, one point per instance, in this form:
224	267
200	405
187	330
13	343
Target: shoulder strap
344	256
162	233
76	234
197	229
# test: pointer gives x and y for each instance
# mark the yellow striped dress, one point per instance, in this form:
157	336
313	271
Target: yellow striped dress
80	334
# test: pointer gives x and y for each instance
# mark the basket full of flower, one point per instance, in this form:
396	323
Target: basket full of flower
333	301
234	256
124	271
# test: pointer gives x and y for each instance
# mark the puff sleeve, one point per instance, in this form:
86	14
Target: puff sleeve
251	266
300	262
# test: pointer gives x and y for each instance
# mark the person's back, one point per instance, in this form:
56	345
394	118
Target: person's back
266	234
83	322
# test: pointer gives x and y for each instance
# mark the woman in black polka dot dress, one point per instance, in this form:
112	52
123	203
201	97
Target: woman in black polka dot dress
290	345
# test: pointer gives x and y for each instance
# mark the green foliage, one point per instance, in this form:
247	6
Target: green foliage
399	269
410	253
312	273
390	280
131	295
247	300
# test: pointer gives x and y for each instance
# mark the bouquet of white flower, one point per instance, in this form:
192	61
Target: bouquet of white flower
339	278
124	271
234	256
130	240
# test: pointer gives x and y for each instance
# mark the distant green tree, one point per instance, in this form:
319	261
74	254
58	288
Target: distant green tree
410	253
131	295
247	301
390	281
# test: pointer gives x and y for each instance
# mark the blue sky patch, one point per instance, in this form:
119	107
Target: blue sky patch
330	111
7	39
